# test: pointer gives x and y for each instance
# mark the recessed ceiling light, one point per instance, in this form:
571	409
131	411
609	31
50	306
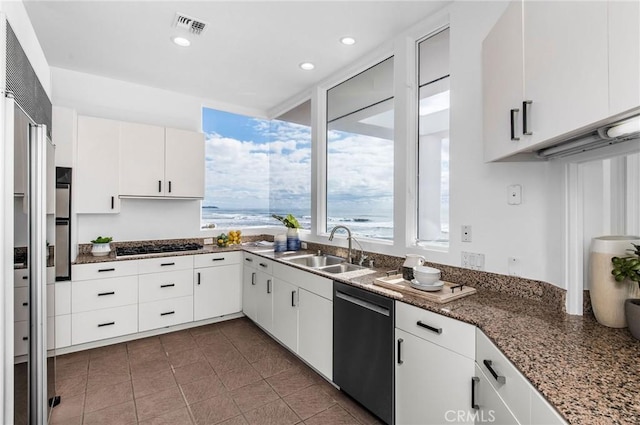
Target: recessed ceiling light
181	41
348	41
307	66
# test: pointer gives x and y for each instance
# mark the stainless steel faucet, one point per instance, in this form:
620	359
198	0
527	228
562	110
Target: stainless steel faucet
349	237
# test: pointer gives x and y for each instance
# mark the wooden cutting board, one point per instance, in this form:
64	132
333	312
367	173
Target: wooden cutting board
449	292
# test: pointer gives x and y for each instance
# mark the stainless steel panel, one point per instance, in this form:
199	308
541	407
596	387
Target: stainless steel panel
63	194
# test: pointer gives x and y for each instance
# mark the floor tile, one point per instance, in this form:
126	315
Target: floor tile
76	368
68	408
72	358
258	351
76	420
214	410
253	395
238	420
192	372
152	383
120	414
204	329
214	337
144	343
147	354
102	380
270	366
357	411
178	344
112	363
226	360
335	415
177	417
185	357
202	389
99	398
71	386
309	401
149	367
289	381
274	413
236	378
159	403
107	350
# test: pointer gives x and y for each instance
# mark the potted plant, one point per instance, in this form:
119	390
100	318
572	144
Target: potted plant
292	225
628	268
101	246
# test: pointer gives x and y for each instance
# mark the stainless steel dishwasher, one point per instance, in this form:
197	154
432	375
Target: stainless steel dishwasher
363	324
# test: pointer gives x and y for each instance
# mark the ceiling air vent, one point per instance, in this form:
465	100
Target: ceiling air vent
190	24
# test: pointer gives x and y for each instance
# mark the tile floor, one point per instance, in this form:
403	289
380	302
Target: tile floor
229	373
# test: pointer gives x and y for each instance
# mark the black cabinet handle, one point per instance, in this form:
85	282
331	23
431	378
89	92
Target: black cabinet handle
400	341
25	338
25	277
500	379
474	406
268	286
102	294
100	325
249	260
106	270
513	113
431	328
160	186
167	313
198	281
25	304
218	259
168	285
263	265
112	202
293	298
526	129
167	264
169	186
253	278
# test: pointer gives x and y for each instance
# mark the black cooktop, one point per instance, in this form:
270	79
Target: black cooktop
156	249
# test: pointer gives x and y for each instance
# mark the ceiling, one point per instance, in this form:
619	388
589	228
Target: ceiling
247	57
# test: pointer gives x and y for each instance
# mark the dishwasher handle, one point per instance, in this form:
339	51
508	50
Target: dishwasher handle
363	303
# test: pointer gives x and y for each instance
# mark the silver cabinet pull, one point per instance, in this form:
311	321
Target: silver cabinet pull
526	117
514	124
499	378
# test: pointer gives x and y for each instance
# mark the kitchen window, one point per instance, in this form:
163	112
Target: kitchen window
253	168
360	113
433	140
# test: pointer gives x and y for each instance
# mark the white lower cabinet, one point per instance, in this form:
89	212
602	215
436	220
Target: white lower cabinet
217	287
490	407
105	323
542	413
285	313
264	300
433	384
166	312
250	292
315	331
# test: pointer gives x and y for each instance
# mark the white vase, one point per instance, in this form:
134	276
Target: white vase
607	295
101	249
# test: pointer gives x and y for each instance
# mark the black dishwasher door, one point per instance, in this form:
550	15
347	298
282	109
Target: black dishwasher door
363	324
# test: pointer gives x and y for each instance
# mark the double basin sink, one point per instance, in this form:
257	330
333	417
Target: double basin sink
323	262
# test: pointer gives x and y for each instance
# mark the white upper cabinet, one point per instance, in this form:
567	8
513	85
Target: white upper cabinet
184	165
624	56
51	178
141	160
551	68
157	161
97	178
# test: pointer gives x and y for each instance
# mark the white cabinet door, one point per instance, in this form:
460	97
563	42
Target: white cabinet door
542	413
491	408
503	79
264	301
565	66
431	382
624	56
250	292
97	179
315	331
285	313
184	163
141	160
217	291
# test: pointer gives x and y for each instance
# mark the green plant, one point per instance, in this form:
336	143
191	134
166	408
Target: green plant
289	221
627	267
102	239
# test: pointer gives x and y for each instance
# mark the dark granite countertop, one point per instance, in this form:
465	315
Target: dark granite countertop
588	372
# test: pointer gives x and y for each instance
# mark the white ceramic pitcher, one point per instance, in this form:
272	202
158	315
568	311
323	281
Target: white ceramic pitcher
413	260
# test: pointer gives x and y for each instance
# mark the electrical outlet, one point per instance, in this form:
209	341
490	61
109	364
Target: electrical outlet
466	233
472	260
514	194
208	241
514	266
303	245
465	259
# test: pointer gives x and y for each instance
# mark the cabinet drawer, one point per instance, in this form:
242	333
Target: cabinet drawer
20	304
21	277
102	324
220	259
159	314
444	331
166	264
21	338
104	270
160	286
104	293
509	383
313	283
258	263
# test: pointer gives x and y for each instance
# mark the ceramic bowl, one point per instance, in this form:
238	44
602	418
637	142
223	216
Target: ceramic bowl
426	275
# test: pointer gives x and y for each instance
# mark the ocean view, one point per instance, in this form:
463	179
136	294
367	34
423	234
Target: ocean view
366	224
